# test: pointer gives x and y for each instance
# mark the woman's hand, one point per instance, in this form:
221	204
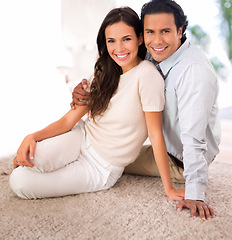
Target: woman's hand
27	148
175	194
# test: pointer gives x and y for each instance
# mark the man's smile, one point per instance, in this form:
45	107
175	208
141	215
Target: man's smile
159	50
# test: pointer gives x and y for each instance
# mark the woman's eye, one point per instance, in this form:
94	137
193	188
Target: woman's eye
127	39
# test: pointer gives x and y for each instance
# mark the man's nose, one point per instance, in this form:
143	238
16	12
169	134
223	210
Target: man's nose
157	39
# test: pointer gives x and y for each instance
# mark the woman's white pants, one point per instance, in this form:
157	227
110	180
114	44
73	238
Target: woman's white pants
64	165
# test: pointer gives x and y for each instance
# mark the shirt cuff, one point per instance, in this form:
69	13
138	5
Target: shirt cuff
195	191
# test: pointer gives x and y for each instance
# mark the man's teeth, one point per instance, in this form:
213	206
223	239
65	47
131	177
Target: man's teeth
159	49
122	56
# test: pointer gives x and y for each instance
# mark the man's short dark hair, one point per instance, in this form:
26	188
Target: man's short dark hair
166	6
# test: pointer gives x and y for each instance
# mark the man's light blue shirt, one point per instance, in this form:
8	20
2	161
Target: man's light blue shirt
190	118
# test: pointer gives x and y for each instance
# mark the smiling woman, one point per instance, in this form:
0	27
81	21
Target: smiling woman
90	155
122	45
109	67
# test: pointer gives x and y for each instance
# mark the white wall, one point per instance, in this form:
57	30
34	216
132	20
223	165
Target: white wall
36	37
80	23
32	92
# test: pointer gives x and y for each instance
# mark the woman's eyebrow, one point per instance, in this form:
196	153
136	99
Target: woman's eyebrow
122	37
127	36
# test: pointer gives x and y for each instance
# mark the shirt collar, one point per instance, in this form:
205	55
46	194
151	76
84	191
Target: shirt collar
171	61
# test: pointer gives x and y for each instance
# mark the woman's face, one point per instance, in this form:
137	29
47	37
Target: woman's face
122	45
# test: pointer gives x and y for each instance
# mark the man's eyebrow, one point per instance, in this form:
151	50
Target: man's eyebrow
167	28
148	29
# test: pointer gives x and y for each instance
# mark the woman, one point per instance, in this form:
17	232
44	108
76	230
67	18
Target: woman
68	158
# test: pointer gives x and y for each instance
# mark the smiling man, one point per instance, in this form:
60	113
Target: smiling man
162	39
190	118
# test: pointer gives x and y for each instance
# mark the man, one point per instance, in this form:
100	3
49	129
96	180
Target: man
190	118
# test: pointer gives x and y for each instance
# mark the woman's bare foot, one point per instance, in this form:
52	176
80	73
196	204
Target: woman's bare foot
15	162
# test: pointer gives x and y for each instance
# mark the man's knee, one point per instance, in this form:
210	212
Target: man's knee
144	164
176	170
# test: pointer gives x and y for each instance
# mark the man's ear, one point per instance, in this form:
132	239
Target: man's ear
180	32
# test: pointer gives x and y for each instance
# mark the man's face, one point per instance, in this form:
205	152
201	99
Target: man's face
160	35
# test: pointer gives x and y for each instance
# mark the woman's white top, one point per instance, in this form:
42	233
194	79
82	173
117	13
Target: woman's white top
119	134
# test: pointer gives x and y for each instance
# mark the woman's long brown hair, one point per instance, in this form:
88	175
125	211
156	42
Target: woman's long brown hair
106	71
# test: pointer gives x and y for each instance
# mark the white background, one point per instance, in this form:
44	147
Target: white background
32	92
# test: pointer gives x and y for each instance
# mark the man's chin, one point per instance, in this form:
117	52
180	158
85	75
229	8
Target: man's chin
157	58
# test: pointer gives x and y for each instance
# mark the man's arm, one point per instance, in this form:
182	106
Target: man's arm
196	93
80	96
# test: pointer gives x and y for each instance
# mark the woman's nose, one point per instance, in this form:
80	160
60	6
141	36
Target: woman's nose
120	47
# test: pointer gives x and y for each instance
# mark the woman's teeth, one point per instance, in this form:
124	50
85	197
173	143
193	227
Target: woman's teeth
122	56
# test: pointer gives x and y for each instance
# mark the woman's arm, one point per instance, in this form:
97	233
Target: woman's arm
63	125
154	125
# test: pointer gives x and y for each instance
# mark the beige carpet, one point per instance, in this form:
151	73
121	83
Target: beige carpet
135	208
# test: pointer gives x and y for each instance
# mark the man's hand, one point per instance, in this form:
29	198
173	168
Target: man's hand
80	97
204	210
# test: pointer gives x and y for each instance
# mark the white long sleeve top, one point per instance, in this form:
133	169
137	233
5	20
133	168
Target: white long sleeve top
190	118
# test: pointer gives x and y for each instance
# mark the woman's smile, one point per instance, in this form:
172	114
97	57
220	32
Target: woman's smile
122	45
